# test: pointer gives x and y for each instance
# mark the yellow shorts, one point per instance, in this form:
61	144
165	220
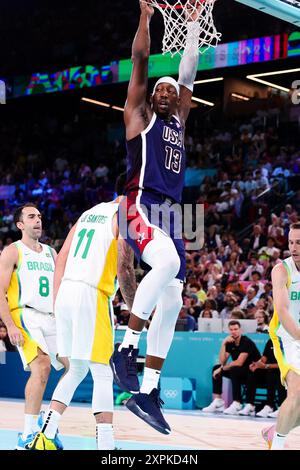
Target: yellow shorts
39	331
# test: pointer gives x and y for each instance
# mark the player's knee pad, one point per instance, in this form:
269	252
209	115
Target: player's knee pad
103	399
67	385
162	327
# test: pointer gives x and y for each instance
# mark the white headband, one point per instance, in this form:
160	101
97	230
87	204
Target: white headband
167	80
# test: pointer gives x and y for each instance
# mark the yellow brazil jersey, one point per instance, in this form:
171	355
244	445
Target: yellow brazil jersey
31	283
92	258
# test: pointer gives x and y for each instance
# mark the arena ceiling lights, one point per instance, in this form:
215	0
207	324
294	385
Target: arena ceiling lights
257	78
202	82
199	100
208	80
101	103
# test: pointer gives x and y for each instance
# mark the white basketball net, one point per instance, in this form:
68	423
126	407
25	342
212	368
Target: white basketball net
176	17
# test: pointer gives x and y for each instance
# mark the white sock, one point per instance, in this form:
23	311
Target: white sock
150	380
105	436
131	338
51	423
278	441
30	425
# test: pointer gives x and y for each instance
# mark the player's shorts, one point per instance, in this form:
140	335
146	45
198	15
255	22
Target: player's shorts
84	319
287	353
137	222
39	331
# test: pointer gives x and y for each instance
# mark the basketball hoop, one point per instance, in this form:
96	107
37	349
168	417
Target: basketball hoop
177	14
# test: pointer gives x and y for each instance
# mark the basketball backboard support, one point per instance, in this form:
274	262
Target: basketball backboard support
287	10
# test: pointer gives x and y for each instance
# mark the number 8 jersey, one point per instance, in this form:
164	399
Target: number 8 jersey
31	283
156	159
92	258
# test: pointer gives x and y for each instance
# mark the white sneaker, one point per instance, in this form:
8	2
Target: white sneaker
264	412
274	414
248	410
216	405
233	409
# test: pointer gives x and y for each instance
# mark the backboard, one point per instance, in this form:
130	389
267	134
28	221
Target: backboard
287	10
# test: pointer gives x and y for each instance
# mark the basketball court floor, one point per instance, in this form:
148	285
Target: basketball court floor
191	430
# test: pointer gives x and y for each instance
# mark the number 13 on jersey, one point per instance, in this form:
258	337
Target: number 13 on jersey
173	159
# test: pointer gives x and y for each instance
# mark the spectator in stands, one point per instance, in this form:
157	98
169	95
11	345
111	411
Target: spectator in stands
220	296
196	288
270	248
256	281
231	301
243	352
206	313
123	317
237	314
5	344
192	303
264	373
250	297
212	306
262	318
250	311
275	225
185	321
258	239
254	266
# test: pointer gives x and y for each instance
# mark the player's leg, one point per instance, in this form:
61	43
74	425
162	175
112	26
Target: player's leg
35	358
160	253
289	413
67	303
40	369
34	391
102	405
146	404
61	398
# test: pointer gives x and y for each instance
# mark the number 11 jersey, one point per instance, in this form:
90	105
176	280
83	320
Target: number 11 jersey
92	258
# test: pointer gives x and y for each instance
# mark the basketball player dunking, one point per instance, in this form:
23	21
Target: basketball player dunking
155	176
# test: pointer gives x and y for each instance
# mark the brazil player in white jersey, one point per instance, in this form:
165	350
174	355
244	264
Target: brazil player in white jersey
85	281
285	334
26	307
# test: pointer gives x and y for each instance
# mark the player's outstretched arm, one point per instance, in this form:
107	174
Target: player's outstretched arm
281	301
8	262
137	89
190	58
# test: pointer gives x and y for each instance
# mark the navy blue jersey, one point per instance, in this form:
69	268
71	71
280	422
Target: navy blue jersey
156	159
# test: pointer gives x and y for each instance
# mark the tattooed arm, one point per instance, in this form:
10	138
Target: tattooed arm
126	274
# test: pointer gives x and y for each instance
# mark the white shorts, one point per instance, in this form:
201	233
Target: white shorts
39	331
84	322
287	353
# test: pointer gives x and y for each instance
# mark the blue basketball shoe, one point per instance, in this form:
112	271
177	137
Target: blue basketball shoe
22	444
124	367
148	408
